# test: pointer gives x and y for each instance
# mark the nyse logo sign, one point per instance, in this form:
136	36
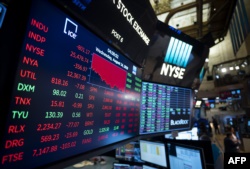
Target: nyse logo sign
178	54
232	160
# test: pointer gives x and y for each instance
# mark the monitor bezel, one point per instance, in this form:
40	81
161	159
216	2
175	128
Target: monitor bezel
201	152
151	163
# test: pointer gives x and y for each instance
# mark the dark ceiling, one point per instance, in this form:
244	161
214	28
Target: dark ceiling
211	31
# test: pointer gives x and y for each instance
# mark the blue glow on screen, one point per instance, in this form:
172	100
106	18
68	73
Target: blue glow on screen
178	53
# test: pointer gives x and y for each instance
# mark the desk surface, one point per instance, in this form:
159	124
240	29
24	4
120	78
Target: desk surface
107	165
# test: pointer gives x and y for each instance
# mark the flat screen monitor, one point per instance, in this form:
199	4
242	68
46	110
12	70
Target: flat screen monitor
185	135
185	156
198	104
72	92
153	152
126	166
129	152
148	167
164	108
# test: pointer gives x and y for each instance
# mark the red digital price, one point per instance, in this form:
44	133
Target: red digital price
71	134
48	126
56	103
107	114
80	67
91	106
83	49
86	140
106	122
93	89
91	97
107	100
77	105
79	57
48	138
75	75
102	137
80	86
68	145
73	124
45	150
59	81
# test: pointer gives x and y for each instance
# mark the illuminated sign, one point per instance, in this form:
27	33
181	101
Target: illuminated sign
2	14
131	20
178	53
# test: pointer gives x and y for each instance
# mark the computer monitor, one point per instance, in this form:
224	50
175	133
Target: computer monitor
126	166
148	167
185	156
198	103
129	152
153	152
164	108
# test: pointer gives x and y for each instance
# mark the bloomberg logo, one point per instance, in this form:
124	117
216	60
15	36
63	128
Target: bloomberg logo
178	122
178	53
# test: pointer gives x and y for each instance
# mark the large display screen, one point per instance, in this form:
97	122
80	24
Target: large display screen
73	93
127	24
174	58
164	108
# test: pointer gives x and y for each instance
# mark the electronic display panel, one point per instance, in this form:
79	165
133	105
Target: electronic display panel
124	23
129	152
72	93
174	58
185	156
164	108
153	152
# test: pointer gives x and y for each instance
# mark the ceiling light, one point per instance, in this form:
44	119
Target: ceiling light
237	67
243	65
231	68
206	60
217	76
223	70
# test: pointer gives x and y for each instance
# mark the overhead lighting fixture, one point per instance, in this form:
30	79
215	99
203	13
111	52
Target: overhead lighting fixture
224	70
237	67
217	76
243	65
231	68
207	60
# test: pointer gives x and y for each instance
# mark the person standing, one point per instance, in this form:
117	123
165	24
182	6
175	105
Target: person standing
229	145
216	126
